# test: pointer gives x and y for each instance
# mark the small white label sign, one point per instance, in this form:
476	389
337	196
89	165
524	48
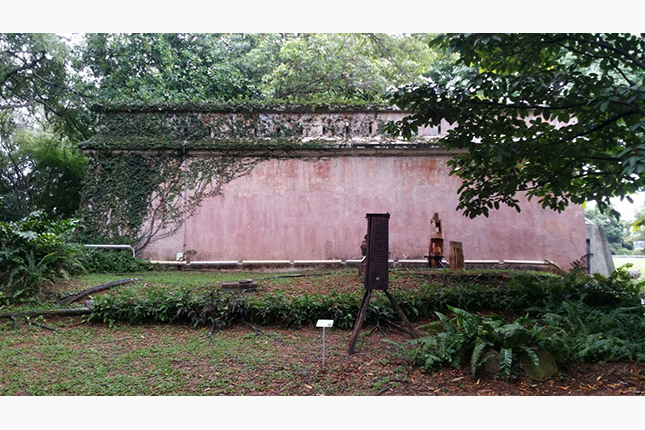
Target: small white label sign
325	323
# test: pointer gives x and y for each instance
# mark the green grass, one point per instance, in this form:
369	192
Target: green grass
130	361
89	359
178	278
637	263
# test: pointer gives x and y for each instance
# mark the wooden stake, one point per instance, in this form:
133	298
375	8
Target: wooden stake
398	309
359	319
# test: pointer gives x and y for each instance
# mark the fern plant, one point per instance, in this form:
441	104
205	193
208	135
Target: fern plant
468	336
35	250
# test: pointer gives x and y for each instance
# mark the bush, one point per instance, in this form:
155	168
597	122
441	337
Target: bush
575	317
36	250
112	261
467	337
212	307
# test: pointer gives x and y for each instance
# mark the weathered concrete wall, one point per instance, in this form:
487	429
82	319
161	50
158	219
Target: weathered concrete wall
295	209
600	260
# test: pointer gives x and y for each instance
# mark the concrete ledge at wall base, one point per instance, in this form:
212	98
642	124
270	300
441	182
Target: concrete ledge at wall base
214	263
482	262
352	262
318	263
532	262
273	263
403	263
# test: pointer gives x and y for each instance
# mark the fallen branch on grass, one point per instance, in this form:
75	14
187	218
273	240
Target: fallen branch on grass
377	326
384	389
40	325
71	299
49	312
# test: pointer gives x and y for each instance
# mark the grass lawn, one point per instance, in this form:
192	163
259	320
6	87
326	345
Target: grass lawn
82	358
637	263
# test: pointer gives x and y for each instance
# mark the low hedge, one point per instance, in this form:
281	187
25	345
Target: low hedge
521	293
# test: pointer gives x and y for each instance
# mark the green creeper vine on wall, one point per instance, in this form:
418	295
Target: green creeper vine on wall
134	198
144	179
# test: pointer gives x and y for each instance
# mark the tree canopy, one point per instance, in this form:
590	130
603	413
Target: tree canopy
48	87
560	117
617	231
153	68
38	172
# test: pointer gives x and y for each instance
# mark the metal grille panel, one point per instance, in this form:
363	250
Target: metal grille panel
376	271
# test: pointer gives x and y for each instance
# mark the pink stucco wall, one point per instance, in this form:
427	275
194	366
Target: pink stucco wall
297	210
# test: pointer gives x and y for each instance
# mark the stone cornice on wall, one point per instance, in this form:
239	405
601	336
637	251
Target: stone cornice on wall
291	130
346	149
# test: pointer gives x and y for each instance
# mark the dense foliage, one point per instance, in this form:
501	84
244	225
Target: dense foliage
573	318
154	68
616	230
96	260
38	172
560	117
36	250
468	337
35	78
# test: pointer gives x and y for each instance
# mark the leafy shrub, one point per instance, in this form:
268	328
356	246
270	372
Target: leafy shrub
213	307
576	317
113	261
35	250
598	334
465	339
547	293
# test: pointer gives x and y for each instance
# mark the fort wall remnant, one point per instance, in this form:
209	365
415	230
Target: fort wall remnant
318	171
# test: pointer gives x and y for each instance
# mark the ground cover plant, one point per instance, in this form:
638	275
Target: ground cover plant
127	346
577	318
33	251
636	264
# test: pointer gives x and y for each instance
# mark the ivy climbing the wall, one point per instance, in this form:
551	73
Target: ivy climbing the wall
133	198
151	167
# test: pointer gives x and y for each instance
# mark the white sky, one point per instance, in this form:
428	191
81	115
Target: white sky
402	16
626	209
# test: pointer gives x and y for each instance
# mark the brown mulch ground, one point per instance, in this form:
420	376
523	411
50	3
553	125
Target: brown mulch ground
375	369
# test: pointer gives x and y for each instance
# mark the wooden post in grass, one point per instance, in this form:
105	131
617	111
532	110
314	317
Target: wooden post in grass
456	256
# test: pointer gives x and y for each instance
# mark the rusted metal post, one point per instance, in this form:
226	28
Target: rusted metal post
376	276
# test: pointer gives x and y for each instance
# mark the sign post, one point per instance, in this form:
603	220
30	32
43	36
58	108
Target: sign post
324	324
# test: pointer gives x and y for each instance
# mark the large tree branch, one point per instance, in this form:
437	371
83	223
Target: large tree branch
611	48
525	106
598	127
26	66
18	106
